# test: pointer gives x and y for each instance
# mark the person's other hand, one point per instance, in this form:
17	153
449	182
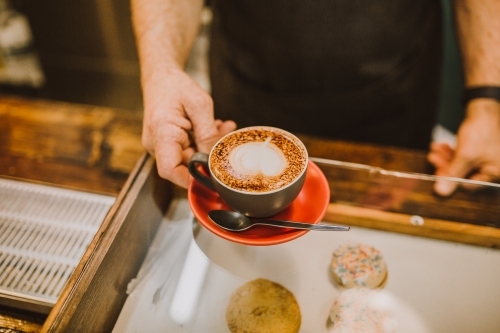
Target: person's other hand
178	120
477	154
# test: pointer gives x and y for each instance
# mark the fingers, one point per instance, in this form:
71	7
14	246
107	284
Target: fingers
459	167
448	164
492	172
179	123
462	165
438	161
199	109
225	127
440	155
445	187
167	141
444	150
172	166
186	155
479	177
175	169
487	173
207	130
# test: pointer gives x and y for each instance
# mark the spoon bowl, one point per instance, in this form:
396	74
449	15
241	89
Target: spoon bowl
234	221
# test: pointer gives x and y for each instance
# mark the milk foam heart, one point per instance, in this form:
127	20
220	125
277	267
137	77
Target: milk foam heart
254	158
258	159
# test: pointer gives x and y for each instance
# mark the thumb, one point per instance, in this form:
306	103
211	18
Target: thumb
458	168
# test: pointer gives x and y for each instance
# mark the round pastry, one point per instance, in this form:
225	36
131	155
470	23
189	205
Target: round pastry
362	310
263	306
358	265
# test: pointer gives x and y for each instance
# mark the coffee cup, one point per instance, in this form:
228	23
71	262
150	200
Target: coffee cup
257	171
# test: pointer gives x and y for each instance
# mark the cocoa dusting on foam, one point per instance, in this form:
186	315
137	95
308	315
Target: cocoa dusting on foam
221	166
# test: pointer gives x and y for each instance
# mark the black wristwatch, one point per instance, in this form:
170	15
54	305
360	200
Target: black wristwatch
480	92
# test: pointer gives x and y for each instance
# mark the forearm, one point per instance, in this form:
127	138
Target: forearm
477	153
478	31
165	31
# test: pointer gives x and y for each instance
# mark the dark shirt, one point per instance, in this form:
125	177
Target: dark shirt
348	69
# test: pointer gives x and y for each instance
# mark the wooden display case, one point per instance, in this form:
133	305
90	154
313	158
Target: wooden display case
99	150
90	149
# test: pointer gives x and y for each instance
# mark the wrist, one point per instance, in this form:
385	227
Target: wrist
159	76
484	108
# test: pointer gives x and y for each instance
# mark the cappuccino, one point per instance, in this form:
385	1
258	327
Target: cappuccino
258	159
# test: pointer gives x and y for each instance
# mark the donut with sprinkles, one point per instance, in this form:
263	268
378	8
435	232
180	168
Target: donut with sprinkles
358	265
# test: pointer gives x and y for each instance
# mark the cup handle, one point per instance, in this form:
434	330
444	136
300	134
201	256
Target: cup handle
194	161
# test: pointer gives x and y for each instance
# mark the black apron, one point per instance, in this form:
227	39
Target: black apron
358	70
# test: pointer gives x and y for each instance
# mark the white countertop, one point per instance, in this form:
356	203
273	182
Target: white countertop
437	286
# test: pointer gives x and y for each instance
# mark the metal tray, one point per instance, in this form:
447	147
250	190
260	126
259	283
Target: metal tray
44	232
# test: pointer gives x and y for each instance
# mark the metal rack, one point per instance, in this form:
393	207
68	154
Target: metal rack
44	232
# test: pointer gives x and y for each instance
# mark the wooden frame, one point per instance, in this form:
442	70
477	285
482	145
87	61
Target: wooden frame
96	292
402	223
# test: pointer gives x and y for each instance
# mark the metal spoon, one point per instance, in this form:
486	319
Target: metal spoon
234	221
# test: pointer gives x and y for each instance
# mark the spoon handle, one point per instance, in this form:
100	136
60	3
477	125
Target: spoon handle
305	226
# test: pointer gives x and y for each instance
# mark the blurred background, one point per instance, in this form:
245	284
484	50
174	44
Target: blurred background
86	50
83	51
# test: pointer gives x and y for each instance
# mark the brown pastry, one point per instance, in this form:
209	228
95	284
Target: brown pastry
263	306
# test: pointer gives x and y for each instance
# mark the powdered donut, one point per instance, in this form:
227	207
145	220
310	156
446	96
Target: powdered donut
358	265
362	310
263	306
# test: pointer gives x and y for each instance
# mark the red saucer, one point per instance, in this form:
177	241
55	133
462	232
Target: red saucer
310	207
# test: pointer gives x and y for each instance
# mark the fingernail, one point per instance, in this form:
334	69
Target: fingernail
444	188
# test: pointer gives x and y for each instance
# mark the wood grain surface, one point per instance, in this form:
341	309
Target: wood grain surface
74	146
19	322
79	146
96	291
404	205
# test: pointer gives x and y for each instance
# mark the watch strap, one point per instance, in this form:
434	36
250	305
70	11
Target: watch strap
480	92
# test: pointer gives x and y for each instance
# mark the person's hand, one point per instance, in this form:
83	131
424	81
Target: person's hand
178	120
477	154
